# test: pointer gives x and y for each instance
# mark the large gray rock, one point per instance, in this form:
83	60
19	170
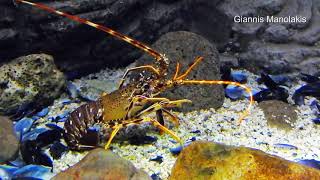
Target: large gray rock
79	49
253	8
8	141
277	47
277	33
29	80
278	58
184	47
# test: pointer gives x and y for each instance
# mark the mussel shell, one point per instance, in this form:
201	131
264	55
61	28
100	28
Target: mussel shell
57	150
32	154
234	92
43	112
23	126
310	162
33	171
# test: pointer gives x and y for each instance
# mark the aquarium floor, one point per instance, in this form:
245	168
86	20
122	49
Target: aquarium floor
219	126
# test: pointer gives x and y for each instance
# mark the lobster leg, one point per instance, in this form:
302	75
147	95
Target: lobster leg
142	100
159	112
173	118
85	147
113	134
154	108
140	120
160	119
167	101
159	115
163	104
146	67
162	128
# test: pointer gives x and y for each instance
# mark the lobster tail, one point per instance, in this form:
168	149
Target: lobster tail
80	120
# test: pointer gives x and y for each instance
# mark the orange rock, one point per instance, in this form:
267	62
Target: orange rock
104	165
206	160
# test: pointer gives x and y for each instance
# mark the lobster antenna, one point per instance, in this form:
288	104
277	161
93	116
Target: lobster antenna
246	88
181	80
158	56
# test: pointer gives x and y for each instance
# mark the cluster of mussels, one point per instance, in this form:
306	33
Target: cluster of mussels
276	87
39	145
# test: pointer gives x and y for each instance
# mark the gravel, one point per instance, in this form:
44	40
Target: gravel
219	126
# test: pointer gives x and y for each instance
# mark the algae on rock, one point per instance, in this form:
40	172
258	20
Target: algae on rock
29	80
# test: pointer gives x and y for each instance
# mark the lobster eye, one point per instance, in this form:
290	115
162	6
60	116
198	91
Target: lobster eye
160	85
146	86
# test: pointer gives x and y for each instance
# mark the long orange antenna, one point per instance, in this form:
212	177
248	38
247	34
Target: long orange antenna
246	88
181	80
158	56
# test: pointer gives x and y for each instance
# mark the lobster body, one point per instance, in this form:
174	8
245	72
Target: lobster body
116	103
132	103
110	109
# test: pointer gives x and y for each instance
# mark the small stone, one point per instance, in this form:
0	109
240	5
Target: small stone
176	150
157	158
206	160
279	114
102	164
8	141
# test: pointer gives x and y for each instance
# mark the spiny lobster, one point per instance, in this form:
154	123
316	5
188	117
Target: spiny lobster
131	103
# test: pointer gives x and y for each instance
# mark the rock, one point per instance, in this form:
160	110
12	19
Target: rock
7	34
184	47
81	50
270	57
310	66
276	58
75	52
277	33
102	164
92	89
252	8
9	143
206	160
297	8
31	80
228	61
279	114
311	35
